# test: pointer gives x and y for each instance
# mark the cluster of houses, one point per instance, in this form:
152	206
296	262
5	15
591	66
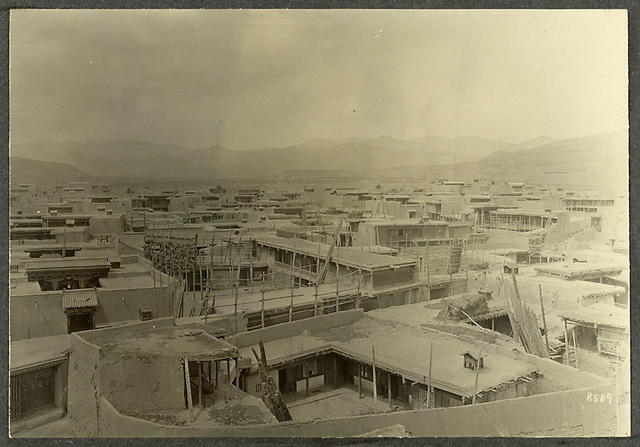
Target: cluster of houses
136	312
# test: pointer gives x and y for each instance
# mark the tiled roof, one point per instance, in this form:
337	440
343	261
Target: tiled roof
79	299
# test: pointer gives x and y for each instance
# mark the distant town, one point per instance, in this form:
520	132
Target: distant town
231	311
319	223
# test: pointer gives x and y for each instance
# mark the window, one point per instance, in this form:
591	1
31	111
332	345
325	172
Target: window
259	388
312	367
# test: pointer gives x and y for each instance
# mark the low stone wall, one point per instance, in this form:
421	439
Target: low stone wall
585	412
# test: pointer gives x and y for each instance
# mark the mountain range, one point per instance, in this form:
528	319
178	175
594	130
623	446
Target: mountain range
429	157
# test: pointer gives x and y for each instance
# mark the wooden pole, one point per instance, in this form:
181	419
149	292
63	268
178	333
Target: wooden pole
293	260
155	296
195	267
187	380
217	369
475	387
337	292
306	379
200	403
235	308
375	389
566	344
250	281
315	302
335	372
575	345
318	264
237	379
389	388
228	394
200	261
544	319
360	380
430	390
262	305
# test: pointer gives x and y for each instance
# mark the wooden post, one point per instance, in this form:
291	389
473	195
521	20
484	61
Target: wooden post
228	394
237	379
337	289
306	379
187	381
566	344
217	369
389	388
200	261
262	305
250	282
335	372
575	345
544	320
155	296
360	380
430	390
161	268
291	306
235	309
375	389
193	276
357	305
318	264
200	403
293	260
315	302
475	387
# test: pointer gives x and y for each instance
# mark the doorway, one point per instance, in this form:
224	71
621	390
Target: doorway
80	322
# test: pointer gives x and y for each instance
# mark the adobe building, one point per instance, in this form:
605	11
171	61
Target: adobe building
407	232
156	372
328	358
59	296
302	259
38	372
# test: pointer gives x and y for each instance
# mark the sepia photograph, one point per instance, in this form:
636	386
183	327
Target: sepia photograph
318	223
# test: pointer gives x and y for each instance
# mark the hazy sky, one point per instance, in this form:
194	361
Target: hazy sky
248	79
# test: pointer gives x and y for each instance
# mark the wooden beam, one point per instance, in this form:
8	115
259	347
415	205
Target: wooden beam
237	379
575	345
389	388
187	380
475	387
228	395
430	390
566	343
375	390
359	380
200	403
306	379
544	319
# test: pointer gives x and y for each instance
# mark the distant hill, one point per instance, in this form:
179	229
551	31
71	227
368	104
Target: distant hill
25	170
595	159
150	160
599	160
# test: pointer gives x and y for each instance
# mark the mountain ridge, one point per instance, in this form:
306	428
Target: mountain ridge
384	155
